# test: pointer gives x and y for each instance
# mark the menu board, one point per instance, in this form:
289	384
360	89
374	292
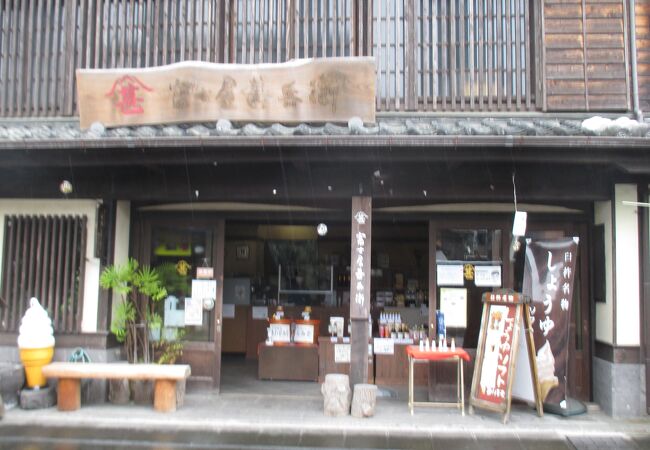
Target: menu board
496	353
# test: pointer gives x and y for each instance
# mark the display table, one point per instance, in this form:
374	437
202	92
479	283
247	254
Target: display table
287	362
458	355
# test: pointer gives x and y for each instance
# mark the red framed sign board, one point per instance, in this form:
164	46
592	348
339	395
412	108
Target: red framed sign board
504	313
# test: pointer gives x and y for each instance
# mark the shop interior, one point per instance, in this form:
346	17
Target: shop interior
305	269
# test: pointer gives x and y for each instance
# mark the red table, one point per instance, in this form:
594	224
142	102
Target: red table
458	355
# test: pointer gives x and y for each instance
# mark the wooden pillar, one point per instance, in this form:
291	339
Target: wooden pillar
360	287
69	394
164	395
218	251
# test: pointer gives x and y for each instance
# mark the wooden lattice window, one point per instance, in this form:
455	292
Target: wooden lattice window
44	257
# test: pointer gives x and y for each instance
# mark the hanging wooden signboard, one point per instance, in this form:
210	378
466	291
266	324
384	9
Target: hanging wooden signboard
308	90
504	313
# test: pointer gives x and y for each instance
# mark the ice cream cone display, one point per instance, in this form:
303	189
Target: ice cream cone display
546	370
35	343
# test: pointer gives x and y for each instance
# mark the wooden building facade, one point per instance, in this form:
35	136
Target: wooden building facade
473	98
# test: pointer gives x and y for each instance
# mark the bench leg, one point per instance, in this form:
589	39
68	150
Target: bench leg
164	396
69	394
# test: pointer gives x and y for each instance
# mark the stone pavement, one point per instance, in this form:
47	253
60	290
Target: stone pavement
285	414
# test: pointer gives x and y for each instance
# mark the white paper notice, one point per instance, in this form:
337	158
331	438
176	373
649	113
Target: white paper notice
193	311
384	346
280	332
449	275
341	353
453	303
204	289
304	333
487	276
228	311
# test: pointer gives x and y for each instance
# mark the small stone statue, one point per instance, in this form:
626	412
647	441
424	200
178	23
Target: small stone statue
336	394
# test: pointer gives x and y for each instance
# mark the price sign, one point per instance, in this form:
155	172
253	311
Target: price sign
304	333
384	346
281	332
341	353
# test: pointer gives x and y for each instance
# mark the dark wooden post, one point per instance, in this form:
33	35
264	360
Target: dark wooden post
360	288
644	223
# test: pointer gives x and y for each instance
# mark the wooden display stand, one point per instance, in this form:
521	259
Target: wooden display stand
503	313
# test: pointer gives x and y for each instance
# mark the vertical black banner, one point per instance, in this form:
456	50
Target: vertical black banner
548	281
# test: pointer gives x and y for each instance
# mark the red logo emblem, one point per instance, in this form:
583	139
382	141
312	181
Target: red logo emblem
124	93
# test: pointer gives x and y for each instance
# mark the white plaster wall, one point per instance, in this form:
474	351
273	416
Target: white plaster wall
626	229
122	231
604	311
60	207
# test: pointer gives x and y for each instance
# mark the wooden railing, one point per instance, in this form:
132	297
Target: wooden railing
467	55
44	257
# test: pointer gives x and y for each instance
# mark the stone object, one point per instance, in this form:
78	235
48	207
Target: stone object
12	379
119	392
336	394
142	392
44	397
180	393
364	400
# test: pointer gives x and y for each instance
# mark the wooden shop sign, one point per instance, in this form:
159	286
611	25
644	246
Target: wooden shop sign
308	90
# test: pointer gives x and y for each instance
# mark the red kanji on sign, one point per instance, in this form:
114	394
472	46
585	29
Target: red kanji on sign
124	93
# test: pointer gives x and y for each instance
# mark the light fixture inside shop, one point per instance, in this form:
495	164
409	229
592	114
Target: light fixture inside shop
321	229
65	187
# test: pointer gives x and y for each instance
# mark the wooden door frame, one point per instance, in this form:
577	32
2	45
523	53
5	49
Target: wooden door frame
495	222
142	224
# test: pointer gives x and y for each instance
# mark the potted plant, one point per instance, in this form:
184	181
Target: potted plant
140	288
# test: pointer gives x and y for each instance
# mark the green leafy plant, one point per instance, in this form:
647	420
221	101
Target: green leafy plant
168	351
140	288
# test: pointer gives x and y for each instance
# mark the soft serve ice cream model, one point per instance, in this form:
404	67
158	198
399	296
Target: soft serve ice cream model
35	343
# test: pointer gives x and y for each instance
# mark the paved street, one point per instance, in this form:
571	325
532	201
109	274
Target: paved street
288	414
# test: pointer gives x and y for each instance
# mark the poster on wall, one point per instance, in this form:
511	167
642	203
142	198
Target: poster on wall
449	275
487	276
453	303
204	289
549	281
193	311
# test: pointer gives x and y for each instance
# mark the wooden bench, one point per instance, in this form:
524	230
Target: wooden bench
70	375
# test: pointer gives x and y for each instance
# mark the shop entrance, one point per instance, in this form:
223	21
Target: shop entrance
176	248
299	268
481	251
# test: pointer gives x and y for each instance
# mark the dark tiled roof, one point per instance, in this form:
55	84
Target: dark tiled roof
16	134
